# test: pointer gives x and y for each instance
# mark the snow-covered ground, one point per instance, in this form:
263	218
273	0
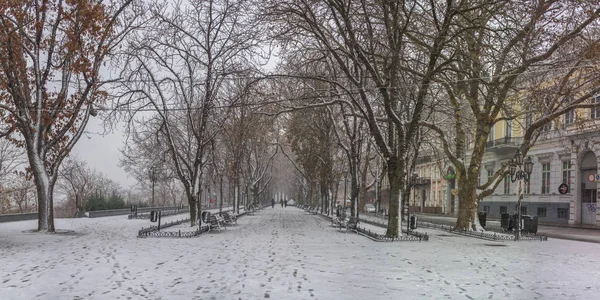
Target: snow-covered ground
284	253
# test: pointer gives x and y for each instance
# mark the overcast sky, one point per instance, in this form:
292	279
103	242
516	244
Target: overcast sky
101	152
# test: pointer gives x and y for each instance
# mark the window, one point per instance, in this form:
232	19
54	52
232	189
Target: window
569	117
595	111
566	172
486	209
547	127
562	213
503	210
546	178
523	210
541	211
490	174
527	187
528	120
507	184
491	136
508	128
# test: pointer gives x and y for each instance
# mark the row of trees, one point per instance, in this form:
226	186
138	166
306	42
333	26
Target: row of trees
428	77
358	82
80	187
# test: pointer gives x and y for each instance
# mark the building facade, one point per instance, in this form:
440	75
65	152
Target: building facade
566	153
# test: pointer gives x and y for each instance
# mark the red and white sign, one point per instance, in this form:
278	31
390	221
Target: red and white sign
591	177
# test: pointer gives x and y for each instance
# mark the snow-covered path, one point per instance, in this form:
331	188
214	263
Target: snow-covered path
284	253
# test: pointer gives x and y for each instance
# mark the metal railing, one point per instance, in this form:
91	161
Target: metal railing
163	213
145	232
486	235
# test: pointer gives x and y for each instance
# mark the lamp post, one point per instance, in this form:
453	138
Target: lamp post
152	175
523	174
413	179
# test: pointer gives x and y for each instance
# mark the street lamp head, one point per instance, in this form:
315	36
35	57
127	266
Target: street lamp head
415	176
519	158
528	165
512	167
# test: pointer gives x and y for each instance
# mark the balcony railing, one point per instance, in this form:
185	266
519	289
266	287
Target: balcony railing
508	142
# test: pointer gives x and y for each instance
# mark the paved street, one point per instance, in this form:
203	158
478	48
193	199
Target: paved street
283	253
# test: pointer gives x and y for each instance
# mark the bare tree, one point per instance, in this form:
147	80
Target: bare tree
181	68
11	158
22	192
512	59
51	53
76	179
370	44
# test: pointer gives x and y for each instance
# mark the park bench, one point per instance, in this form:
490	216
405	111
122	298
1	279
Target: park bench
338	220
350	223
228	217
213	221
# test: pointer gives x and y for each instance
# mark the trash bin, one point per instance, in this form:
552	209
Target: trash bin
530	224
204	216
413	222
482	217
504	221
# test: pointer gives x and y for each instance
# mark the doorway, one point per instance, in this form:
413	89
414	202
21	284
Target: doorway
588	195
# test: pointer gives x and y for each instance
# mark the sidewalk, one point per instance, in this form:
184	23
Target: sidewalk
557	231
566	232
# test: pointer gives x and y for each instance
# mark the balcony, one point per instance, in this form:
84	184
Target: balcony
504	145
423	181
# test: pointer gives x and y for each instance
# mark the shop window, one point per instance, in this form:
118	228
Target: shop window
562	213
541	212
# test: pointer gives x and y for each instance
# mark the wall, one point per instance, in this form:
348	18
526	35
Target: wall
91	214
18	217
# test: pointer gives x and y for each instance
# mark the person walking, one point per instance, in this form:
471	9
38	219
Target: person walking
272	203
281	201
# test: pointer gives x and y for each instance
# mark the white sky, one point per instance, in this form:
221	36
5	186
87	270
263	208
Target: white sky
101	152
283	253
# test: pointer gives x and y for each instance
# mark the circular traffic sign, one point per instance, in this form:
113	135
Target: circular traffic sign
591	177
563	188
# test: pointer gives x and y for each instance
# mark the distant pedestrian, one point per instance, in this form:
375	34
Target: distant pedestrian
272	203
284	203
281	201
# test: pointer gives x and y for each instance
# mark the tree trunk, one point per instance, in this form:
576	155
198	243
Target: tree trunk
354	191
45	188
193	212
468	205
395	178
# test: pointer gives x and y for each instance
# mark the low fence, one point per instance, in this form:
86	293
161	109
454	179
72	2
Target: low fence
414	237
126	211
153	230
18	217
486	235
164	213
418	235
